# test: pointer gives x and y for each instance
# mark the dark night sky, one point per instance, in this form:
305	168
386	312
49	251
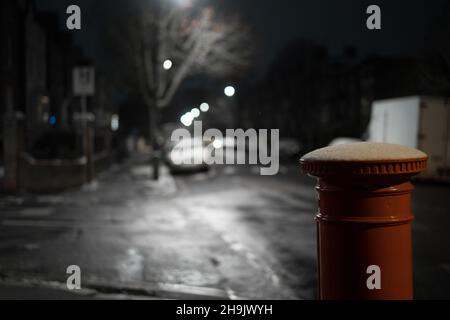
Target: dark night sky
332	23
337	24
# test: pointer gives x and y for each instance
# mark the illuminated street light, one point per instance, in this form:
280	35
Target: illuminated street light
230	91
187	119
167	65
217	144
195	113
204	107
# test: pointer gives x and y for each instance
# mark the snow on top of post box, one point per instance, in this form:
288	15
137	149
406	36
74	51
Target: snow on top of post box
364	151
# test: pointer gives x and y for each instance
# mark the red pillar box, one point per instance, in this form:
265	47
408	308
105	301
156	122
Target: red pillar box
364	219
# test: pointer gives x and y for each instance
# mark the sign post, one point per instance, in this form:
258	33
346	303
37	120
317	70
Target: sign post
84	86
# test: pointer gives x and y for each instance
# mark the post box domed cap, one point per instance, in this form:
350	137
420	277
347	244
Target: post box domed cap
364	158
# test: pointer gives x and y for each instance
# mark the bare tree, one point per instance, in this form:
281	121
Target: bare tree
194	40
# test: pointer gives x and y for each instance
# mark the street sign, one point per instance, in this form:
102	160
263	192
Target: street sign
84	81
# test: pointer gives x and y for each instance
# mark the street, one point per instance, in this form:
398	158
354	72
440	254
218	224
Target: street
223	234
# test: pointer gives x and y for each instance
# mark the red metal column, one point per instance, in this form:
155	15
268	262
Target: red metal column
364	219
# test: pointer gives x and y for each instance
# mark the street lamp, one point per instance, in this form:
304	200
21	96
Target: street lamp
183	3
230	91
195	113
187	119
204	107
217	144
167	65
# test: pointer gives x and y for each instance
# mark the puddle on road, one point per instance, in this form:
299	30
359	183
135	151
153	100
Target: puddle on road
32	246
191	277
36	212
50	199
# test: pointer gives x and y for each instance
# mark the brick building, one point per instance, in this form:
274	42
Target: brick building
37	107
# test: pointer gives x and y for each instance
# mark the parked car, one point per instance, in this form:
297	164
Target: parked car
343	140
186	156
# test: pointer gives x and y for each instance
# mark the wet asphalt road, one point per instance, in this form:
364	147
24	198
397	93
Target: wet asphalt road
226	233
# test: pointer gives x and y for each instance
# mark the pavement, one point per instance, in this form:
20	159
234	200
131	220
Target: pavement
224	234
